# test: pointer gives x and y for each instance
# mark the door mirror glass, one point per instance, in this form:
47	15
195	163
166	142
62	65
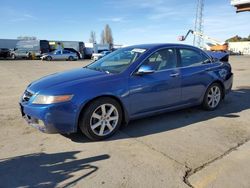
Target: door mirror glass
145	69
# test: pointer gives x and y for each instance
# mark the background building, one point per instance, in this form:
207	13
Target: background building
241	5
242	47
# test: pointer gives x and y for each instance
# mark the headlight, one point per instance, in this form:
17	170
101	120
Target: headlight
45	99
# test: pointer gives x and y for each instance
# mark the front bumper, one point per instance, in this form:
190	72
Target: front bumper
56	118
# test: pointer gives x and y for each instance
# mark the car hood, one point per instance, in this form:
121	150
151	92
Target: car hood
63	78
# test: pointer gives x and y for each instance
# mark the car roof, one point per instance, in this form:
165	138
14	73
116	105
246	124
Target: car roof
160	45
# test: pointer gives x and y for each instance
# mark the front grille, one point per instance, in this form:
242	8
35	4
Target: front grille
26	96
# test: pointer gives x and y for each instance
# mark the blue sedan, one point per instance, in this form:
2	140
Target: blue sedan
129	83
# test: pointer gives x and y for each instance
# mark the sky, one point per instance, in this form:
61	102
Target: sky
131	21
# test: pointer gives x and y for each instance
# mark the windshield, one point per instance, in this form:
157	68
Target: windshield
117	61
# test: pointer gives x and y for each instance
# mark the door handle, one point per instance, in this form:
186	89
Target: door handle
174	74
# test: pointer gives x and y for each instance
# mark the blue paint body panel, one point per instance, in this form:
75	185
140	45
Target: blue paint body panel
139	95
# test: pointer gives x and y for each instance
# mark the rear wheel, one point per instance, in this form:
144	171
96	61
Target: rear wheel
212	97
101	119
70	58
29	56
13	56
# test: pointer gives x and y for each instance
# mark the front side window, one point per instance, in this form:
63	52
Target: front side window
162	60
191	57
58	52
117	61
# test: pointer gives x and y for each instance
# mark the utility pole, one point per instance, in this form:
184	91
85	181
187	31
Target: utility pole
198	27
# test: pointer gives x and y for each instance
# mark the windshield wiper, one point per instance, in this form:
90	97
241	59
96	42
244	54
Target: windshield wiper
98	69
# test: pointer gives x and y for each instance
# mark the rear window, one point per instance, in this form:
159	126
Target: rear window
191	57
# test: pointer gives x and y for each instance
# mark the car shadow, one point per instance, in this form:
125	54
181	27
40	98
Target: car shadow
46	170
237	101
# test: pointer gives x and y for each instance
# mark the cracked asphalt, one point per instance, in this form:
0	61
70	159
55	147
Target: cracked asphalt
186	148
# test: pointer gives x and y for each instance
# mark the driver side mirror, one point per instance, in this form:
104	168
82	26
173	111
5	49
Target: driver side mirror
145	69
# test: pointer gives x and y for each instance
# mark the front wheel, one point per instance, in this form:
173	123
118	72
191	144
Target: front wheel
101	119
49	58
212	97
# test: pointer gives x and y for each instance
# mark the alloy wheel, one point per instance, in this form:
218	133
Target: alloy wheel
214	96
104	119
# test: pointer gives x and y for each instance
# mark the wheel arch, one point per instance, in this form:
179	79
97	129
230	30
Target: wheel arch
49	56
125	117
222	86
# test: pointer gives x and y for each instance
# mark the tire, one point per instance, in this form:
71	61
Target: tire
49	58
29	56
213	97
70	58
13	56
97	125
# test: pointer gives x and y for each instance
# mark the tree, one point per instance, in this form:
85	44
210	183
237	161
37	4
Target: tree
238	39
92	38
107	37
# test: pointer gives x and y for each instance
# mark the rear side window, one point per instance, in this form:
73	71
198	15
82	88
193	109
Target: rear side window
66	52
191	57
162	60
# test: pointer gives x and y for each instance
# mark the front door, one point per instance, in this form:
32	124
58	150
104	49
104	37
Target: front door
158	90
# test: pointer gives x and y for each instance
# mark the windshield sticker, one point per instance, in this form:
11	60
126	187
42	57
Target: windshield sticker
139	50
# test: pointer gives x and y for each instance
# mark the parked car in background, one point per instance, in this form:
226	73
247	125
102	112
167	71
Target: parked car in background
74	51
234	53
96	56
77	46
19	53
130	83
60	55
4	53
30	49
91	48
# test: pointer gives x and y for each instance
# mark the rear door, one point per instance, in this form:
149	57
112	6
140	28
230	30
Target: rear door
195	75
66	54
157	90
58	55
